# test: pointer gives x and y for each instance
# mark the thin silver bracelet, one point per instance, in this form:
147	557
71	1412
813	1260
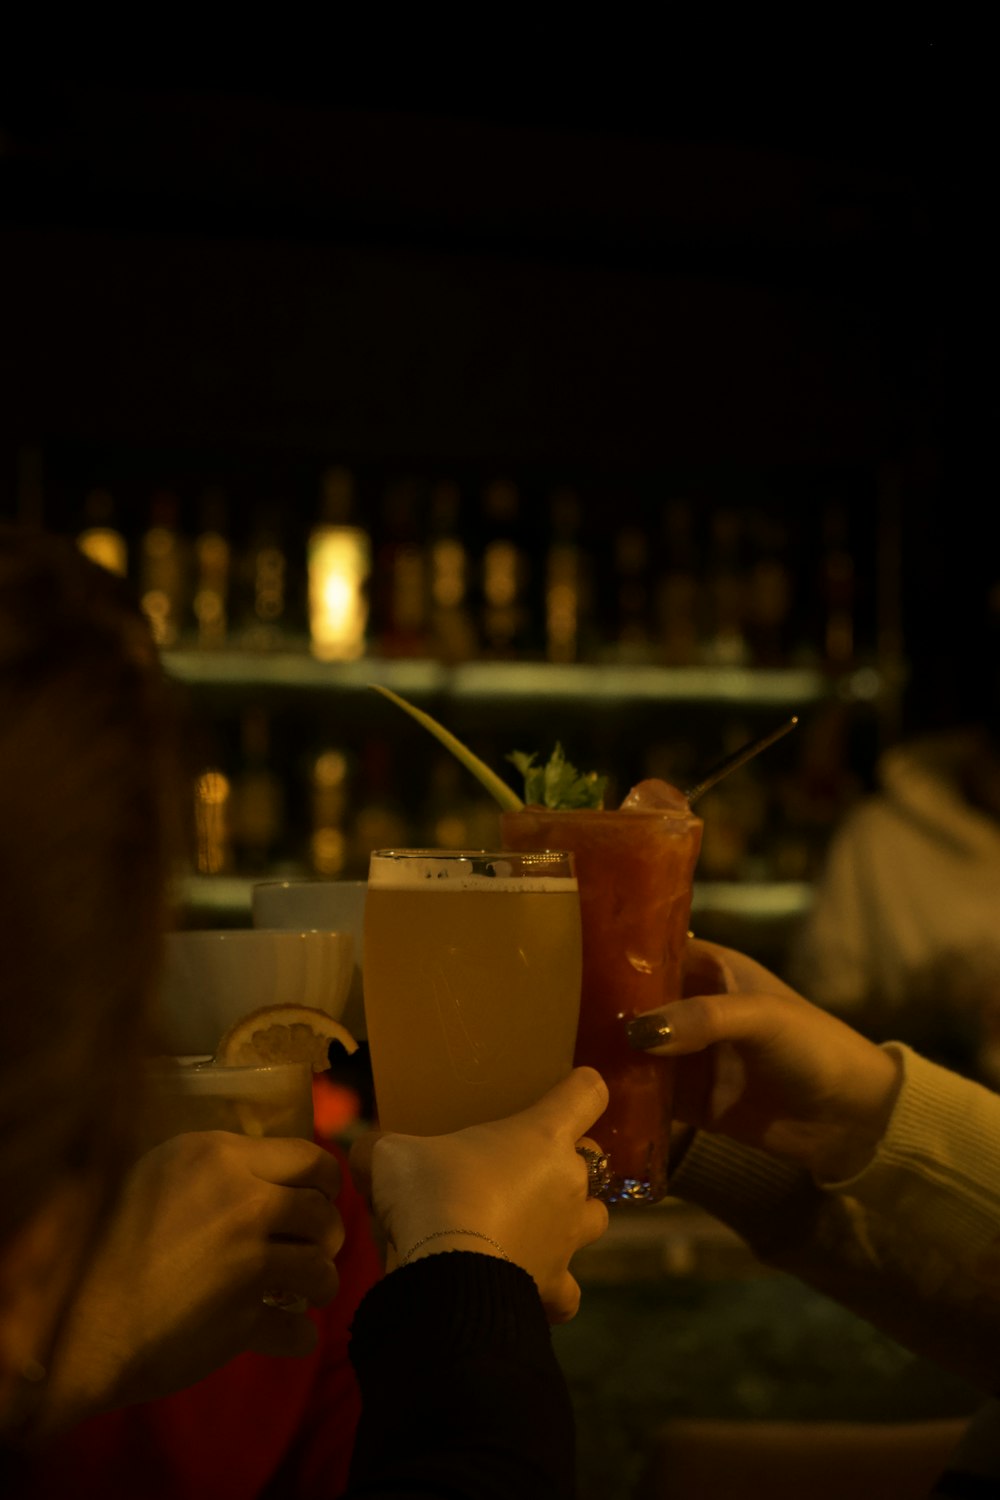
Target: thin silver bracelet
438	1234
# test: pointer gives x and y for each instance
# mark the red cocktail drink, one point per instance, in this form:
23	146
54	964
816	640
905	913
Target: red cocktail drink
635	868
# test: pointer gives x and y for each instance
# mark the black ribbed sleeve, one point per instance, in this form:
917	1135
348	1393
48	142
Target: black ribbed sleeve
463	1396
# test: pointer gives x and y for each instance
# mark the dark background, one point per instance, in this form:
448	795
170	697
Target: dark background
601	250
606	256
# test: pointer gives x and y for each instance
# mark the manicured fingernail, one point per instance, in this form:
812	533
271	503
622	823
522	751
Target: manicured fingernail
648	1031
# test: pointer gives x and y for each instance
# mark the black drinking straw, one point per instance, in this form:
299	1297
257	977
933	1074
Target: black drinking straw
739	758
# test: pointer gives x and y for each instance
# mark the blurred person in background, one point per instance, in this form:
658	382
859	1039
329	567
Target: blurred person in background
903	938
123	1280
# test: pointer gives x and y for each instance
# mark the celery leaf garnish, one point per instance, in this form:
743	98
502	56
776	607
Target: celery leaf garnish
558	784
555	785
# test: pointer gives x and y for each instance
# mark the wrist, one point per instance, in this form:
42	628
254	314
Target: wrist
847	1149
453	1239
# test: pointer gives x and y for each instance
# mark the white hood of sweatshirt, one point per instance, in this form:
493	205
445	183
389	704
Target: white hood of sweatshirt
922	782
907	910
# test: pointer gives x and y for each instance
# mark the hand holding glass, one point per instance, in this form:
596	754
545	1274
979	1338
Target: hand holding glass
273	1100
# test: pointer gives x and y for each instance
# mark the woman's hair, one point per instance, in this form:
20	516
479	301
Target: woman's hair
87	817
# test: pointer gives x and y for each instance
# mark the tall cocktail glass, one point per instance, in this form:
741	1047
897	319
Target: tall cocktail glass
635	869
472	983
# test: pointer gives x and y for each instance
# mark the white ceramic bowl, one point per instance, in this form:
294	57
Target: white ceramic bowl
211	979
318	905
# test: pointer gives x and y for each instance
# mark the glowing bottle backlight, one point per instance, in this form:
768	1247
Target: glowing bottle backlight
339	564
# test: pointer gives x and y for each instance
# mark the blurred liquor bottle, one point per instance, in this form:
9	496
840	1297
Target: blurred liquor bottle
212	559
452	629
769	591
163	570
258	796
338	565
329	782
380	820
262	574
456	813
735	815
504	573
212	799
813	798
568	589
399	605
837	589
444	818
628	614
100	538
725	643
678	593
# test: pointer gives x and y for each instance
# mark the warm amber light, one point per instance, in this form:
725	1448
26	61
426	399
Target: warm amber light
211	798
500	573
562	599
451	832
339	561
269	583
328	848
209	603
448	566
330	768
104	545
157	608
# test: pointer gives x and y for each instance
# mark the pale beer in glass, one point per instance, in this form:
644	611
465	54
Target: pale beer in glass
472	983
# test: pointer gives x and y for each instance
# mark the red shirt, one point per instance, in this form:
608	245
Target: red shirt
259	1421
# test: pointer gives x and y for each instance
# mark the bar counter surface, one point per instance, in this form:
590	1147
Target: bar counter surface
678	1319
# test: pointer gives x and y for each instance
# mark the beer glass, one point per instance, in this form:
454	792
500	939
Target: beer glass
472	982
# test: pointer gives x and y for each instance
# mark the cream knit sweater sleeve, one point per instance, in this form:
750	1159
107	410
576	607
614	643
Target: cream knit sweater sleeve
912	1243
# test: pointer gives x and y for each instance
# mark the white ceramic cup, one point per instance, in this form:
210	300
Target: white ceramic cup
320	906
211	979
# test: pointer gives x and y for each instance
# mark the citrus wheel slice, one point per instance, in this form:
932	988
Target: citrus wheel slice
283	1034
